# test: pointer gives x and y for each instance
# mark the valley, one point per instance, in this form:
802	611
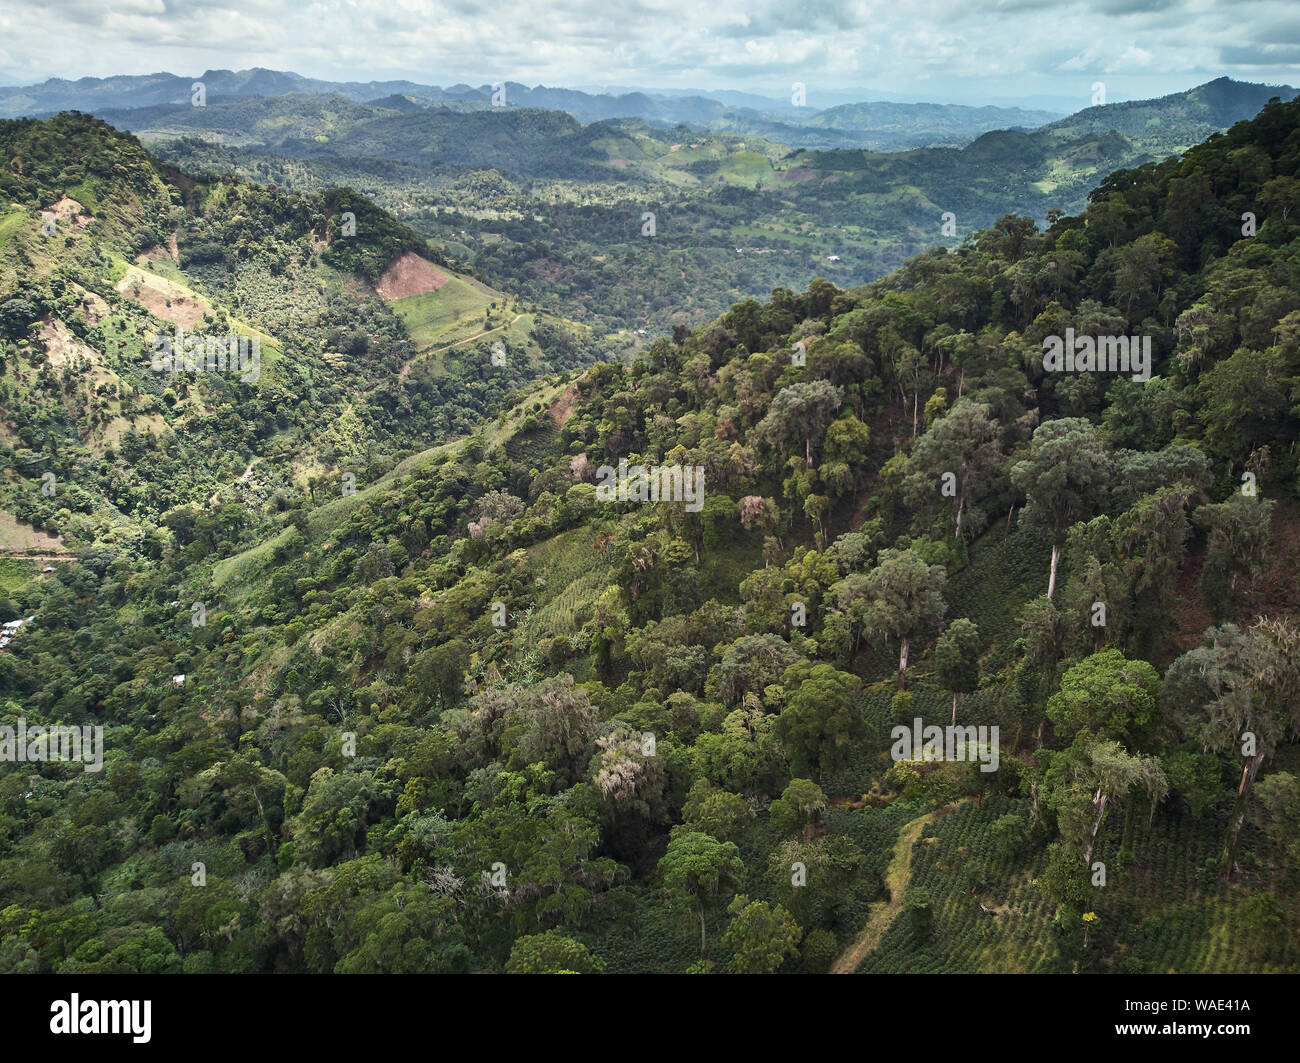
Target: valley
374	645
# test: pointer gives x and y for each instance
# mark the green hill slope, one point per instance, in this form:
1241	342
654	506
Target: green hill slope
448	704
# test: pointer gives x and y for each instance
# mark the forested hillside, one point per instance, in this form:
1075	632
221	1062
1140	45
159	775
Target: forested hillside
136	249
450	707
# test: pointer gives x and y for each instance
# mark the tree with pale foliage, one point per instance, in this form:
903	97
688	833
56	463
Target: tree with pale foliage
1239	691
1085	780
629	779
758	513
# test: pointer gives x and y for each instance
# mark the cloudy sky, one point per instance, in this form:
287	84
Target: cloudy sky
962	50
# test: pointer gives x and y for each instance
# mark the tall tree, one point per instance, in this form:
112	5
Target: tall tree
1149	542
1065	479
1239	690
1237	537
958	458
761	936
700	867
799	806
1107	695
820	720
800	412
902	599
551	952
957	660
1084	780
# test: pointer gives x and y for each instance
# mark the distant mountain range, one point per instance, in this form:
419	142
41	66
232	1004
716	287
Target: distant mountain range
566	133
878	126
1059	104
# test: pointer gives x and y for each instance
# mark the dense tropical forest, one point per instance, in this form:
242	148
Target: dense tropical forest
389	682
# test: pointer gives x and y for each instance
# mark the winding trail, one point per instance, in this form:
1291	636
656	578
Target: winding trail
406	368
243	478
897	876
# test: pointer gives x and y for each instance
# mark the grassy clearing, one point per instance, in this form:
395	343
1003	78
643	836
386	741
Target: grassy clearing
431	317
10	224
14	572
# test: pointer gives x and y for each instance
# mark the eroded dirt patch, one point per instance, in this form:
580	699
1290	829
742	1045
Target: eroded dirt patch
410	275
158	252
93	305
62	348
162	298
562	408
18	539
67	211
797	175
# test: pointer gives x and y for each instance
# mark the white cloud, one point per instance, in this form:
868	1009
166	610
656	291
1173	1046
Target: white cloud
949	47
